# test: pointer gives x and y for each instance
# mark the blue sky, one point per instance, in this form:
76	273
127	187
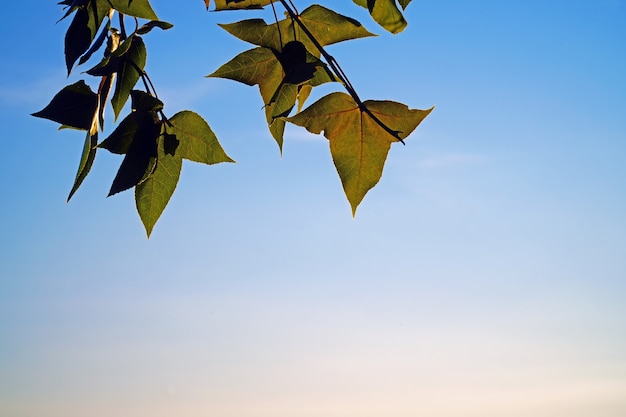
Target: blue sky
484	276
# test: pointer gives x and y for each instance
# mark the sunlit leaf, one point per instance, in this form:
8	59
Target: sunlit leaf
327	26
137	8
153	194
238	4
358	143
386	13
272	73
73	106
197	142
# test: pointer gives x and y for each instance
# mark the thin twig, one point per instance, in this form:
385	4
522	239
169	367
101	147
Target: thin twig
280	36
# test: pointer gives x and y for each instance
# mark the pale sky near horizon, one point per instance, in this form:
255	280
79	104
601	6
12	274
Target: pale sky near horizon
484	276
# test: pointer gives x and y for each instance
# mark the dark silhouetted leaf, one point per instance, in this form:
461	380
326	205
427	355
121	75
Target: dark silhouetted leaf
77	38
96	45
154	24
73	106
86	160
170	143
83	30
142	101
153	194
141	156
358	143
120	139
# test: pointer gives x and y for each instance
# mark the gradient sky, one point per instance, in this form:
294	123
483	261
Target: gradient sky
485	275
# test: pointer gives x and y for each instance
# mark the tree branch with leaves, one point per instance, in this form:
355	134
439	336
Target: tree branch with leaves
288	61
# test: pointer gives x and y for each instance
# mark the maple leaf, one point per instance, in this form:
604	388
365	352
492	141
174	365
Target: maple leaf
286	57
360	136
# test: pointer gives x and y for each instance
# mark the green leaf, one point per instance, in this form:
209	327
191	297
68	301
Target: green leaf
386	13
153	194
129	71
137	8
263	66
154	24
358	143
238	4
86	161
73	106
327	26
252	67
197	142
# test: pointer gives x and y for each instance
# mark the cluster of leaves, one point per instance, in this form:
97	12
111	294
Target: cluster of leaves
289	59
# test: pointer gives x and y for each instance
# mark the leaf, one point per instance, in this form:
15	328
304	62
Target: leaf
137	8
257	66
86	161
143	101
238	4
96	45
141	156
74	106
197	142
358	143
187	136
129	71
154	24
121	138
263	66
144	107
404	3
386	13
83	30
327	26
153	194
77	38
207	3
